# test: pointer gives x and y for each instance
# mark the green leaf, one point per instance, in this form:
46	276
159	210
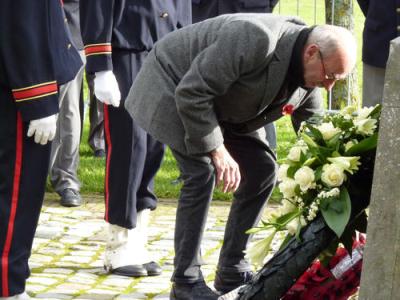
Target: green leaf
288	237
365	145
376	112
309	141
309	161
287	217
291	170
334	141
347	240
337	213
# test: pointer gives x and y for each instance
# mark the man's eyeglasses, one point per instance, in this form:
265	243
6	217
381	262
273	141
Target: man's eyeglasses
330	76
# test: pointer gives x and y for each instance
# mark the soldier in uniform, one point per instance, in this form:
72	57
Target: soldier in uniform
382	24
35	58
118	34
204	9
64	158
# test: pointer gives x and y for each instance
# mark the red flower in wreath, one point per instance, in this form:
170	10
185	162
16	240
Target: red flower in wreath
287	109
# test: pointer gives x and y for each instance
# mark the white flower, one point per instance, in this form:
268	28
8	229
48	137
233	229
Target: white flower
328	130
365	126
348	110
286	207
282	171
305	178
294	224
332	175
295	152
257	251
350	144
348	163
335	192
287	188
364	112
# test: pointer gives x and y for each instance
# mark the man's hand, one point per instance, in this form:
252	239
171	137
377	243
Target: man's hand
227	169
44	129
106	88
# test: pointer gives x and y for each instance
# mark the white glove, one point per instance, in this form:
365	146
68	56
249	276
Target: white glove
44	129
106	88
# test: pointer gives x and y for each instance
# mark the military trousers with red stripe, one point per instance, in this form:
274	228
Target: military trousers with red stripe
23	172
133	156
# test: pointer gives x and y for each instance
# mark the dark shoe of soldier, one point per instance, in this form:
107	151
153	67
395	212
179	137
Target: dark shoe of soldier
99	153
152	268
192	291
130	271
70	198
226	282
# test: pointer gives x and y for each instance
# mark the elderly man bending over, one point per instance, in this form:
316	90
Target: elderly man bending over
206	91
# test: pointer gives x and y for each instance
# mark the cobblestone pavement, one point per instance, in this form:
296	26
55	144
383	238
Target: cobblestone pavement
67	257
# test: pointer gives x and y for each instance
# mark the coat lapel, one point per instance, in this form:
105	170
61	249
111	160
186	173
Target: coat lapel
278	67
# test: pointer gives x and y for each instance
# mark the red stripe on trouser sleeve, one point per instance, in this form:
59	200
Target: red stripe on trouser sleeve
109	150
14	204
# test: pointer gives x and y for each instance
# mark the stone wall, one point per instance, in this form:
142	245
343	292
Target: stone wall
380	278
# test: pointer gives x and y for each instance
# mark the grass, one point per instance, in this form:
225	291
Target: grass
91	169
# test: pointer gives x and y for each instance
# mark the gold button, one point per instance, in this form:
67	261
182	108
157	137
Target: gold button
164	15
398	28
398	10
69	46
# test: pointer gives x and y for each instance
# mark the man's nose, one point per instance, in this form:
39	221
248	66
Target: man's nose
328	84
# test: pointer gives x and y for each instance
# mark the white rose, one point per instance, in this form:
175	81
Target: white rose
295	152
365	126
282	171
287	188
305	178
332	175
328	130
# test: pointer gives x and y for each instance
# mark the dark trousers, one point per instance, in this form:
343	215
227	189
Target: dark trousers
96	118
258	169
133	156
23	171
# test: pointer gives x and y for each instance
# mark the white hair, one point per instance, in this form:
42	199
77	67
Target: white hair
332	38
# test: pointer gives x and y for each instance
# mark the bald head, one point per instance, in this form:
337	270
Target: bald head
333	39
330	54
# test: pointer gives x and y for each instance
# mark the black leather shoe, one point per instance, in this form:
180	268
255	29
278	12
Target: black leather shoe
193	291
226	282
152	268
130	271
70	198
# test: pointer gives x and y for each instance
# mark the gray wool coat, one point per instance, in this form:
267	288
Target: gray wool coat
224	70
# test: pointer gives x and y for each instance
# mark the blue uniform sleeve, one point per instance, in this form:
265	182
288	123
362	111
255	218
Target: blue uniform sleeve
96	17
25	57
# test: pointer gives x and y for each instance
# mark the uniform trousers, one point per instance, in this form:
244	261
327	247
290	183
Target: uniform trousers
23	173
258	168
64	159
373	83
133	156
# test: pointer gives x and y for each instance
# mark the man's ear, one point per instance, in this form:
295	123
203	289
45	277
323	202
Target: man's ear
310	50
